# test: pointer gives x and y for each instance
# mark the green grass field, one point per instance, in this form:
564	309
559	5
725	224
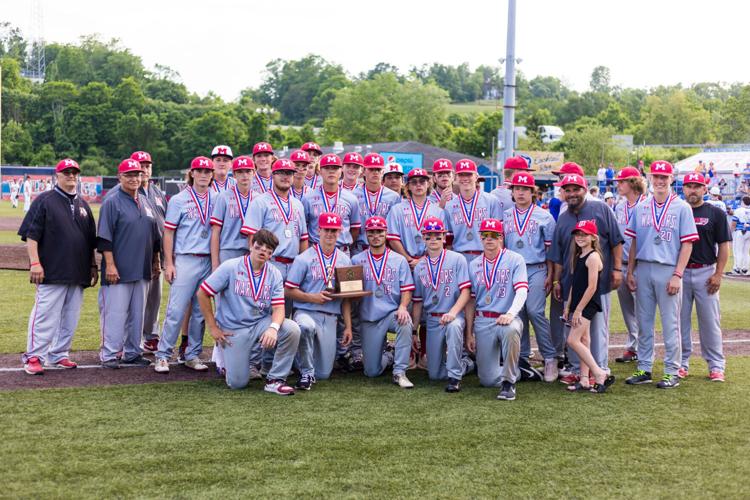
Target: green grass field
466	108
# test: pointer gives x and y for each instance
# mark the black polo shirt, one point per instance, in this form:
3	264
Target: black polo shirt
65	231
713	229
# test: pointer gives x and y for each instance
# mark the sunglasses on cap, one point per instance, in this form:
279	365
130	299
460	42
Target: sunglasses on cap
489	234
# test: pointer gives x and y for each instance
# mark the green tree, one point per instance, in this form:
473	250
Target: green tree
17	146
203	133
600	80
735	117
674	118
590	144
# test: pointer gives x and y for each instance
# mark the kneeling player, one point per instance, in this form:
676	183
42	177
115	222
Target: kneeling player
442	286
499	286
388	276
251	310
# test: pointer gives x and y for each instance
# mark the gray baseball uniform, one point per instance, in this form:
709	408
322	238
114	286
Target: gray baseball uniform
405	221
463	218
370	204
229	214
342	202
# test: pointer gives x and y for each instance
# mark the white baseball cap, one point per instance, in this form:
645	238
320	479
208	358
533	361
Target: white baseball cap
715	190
608	195
222	150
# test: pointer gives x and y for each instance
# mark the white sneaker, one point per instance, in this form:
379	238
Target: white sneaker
550	370
403	382
195	364
161	366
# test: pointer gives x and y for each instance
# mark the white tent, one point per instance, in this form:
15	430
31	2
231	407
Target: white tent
724	160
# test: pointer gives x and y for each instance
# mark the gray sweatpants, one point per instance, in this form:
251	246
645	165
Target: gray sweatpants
627	306
445	345
652	280
52	322
151	313
373	334
707	308
533	312
493	342
317	343
243	341
556	327
121	309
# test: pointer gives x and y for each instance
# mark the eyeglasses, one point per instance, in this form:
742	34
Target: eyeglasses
418	180
284	173
433	236
70	173
490	235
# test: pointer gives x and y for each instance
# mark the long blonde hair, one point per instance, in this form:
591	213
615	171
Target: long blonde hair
575	250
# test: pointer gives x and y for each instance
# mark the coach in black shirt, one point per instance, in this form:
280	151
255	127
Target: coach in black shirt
60	235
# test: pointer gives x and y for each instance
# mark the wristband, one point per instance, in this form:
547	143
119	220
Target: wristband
275	326
34	264
678	274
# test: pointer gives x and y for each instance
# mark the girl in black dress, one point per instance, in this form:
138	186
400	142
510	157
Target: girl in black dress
585	303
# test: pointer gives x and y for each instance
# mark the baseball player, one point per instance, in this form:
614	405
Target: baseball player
741	236
312	177
465	211
263	159
663	231
388	276
14	188
222	156
129	241
702	280
353	165
187	263
372	197
330	198
498	289
301	160
250	312
316	312
405	219
442	176
60	236
503	191
528	231
442	289
230	212
393	177
26	193
631	187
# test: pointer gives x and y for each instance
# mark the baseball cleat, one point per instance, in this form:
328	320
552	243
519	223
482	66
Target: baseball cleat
137	361
66	363
570	378
639	377
403	382
736	271
550	370
33	366
196	364
454	385
668	382
716	376
682	372
151	345
112	364
627	357
278	387
507	391
305	382
161	366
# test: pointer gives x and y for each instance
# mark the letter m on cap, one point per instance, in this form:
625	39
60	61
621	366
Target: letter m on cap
442	163
242	161
464	164
203	162
523	178
332	219
69	162
490	223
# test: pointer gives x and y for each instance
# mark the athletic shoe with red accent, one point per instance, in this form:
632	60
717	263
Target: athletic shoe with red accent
33	366
278	387
66	363
627	357
151	345
682	372
716	376
570	379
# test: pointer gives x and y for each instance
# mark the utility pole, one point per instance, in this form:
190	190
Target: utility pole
1	115
509	90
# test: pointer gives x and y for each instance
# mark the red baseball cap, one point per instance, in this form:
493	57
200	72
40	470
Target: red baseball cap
627	173
141	156
243	163
417	172
433	225
66	164
393	168
129	165
442	165
466	166
491	225
374	160
300	156
574	179
283	164
516	163
569	168
694	178
523	179
354	158
330	160
222	150
376	223
201	162
262	147
329	220
585	226
661	167
312	146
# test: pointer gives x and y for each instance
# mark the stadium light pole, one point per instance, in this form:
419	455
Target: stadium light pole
509	85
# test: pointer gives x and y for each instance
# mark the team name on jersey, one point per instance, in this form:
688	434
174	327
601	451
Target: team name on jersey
342	209
446	276
499	288
389	274
532	228
480	214
670	220
242	288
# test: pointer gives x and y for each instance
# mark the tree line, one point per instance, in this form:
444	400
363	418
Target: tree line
98	101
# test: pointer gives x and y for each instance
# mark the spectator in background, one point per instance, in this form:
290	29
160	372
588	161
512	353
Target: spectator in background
736	178
640	168
715	199
610	176
722	186
711	173
601	177
609	199
743	189
701	168
594	191
746	173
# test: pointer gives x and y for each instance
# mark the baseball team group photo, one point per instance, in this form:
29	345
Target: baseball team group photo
391	284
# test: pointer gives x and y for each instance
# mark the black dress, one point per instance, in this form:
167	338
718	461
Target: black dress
579	283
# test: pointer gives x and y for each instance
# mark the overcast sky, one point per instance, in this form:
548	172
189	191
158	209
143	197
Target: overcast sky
224	45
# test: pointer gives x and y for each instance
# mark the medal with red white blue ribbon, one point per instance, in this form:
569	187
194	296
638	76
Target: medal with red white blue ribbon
286	213
658	219
468	213
262	183
239	197
630	208
299	194
218	186
328	206
489	277
312	182
416	214
202	213
256	287
377	272
435	269
372	208
522	225
326	265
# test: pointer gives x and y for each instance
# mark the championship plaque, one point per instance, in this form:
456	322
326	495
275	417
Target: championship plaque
348	283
